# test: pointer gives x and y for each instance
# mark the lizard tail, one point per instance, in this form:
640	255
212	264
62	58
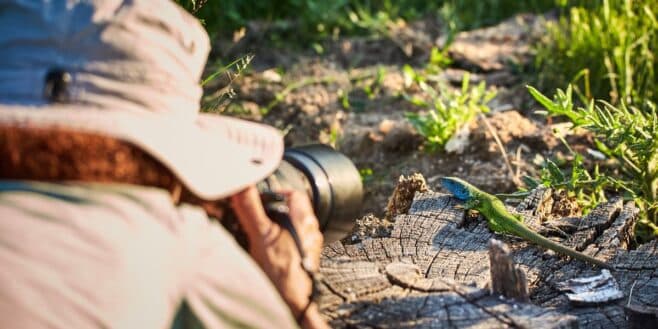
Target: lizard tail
526	233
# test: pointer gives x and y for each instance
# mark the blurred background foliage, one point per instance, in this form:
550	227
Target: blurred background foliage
604	47
315	19
602	52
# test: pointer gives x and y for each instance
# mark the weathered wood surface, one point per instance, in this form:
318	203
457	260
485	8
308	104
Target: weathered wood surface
433	271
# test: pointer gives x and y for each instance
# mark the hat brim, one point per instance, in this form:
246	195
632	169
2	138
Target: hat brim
214	156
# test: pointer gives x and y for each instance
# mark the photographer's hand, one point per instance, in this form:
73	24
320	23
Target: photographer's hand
275	251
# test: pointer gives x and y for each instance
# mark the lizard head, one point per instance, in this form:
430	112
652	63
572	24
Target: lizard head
461	189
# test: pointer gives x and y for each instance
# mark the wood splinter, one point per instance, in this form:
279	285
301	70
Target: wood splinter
507	279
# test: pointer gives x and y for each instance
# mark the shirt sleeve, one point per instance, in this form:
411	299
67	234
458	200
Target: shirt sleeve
225	287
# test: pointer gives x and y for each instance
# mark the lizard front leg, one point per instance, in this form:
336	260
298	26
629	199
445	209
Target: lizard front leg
472	204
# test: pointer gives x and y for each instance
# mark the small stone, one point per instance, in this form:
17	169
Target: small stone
386	126
271	75
375	137
459	141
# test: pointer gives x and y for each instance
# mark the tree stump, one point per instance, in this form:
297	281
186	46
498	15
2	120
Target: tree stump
433	272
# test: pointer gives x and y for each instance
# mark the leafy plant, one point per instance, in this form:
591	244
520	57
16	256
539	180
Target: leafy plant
613	40
447	110
625	134
588	189
439	59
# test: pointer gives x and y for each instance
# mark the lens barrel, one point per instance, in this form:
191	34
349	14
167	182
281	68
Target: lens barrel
329	178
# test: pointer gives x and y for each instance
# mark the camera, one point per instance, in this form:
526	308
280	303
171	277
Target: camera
329	178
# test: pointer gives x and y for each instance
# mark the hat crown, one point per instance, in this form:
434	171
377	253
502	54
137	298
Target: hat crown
123	55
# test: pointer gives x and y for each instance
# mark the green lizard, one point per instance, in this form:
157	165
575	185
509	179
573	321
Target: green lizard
502	221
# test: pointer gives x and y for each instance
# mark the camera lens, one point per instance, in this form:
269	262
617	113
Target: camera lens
329	178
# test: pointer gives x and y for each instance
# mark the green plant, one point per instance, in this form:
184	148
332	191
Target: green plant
366	174
219	100
587	188
281	95
613	40
437	62
439	59
373	89
447	110
625	134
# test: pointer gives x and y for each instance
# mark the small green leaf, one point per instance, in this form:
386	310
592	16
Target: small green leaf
530	182
543	100
556	174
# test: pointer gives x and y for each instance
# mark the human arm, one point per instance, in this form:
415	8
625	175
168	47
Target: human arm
274	249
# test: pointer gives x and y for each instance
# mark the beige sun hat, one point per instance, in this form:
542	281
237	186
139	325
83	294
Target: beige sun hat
128	70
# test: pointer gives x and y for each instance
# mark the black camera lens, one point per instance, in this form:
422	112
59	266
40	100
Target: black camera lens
329	178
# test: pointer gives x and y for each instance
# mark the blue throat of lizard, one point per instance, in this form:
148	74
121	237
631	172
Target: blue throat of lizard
457	187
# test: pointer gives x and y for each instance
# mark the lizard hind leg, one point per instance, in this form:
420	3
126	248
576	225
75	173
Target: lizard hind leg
495	227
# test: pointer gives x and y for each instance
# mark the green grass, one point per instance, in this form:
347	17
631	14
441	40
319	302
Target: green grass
219	101
610	44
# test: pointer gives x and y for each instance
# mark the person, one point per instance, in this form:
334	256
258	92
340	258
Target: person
112	184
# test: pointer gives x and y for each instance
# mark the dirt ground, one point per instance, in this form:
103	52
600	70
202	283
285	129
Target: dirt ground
305	94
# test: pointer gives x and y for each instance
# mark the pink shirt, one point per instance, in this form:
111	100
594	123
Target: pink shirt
122	256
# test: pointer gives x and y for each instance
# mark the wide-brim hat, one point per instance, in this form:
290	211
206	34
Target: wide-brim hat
128	70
